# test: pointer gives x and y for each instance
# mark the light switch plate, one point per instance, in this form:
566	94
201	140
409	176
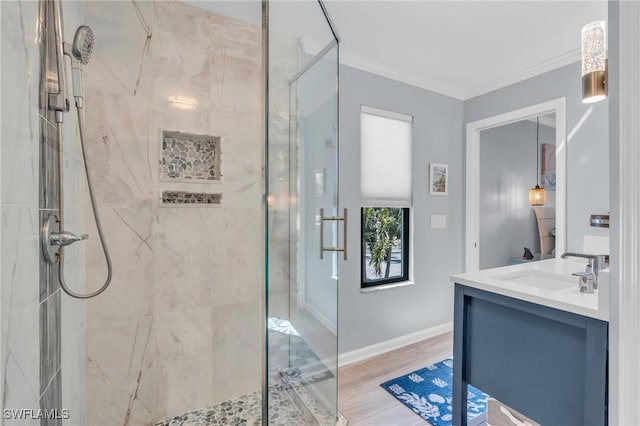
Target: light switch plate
438	221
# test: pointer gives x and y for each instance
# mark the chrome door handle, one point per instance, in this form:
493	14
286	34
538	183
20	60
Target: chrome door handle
343	218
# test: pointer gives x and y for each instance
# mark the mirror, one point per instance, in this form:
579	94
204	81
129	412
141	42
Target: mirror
514	158
582	155
498	212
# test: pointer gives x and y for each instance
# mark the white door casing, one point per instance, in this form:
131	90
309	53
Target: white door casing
624	326
472	238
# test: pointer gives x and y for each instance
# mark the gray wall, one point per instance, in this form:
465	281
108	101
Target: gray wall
587	141
368	318
507	172
317	106
318	152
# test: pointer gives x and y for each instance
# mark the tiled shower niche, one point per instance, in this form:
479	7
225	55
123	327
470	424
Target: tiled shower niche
187	156
184	197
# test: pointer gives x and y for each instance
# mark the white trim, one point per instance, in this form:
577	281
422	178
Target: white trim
386	114
372	289
472	238
330	325
392	344
546	66
364	64
625	308
545	120
368	65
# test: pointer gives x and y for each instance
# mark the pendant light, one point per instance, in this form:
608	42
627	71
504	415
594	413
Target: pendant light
537	195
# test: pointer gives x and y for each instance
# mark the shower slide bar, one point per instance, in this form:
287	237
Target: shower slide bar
54	243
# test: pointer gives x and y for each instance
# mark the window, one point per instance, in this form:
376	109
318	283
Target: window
385	245
385	189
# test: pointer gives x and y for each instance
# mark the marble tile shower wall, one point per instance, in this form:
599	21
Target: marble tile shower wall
179	329
72	315
20	292
32	305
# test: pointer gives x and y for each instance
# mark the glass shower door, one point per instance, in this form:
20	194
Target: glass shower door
305	227
313	300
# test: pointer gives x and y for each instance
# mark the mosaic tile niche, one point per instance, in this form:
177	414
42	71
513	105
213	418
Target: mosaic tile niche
187	156
184	197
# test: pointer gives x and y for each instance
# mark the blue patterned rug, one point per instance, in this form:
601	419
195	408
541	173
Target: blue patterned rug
427	392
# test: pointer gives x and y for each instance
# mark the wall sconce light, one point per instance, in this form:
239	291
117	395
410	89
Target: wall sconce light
537	195
594	62
183	102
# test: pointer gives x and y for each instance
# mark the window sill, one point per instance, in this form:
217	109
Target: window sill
386	286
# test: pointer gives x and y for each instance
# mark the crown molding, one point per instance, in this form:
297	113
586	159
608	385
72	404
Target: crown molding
543	67
364	64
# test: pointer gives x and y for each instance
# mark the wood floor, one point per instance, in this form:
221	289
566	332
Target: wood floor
361	399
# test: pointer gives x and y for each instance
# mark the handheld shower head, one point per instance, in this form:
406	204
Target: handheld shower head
83	44
80	54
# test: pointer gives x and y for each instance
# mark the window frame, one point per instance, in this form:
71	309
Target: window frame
406	247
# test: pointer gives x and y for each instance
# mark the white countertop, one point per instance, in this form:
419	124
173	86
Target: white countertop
504	281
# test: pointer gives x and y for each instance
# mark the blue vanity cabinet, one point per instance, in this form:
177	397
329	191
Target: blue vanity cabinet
548	364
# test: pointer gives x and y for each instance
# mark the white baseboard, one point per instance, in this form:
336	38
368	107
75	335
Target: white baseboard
392	344
330	325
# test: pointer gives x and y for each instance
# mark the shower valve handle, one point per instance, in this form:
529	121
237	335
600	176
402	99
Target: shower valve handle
65	238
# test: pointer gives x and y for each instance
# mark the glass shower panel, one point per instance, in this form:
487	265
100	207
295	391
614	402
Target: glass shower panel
302	212
313	299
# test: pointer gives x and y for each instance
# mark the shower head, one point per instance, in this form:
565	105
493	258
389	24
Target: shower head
83	44
80	53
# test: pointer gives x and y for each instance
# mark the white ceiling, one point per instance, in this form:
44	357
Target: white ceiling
461	48
458	48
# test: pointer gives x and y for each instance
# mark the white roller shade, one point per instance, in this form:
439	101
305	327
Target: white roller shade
385	158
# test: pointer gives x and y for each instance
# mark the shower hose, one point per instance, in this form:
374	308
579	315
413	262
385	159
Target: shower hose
94	208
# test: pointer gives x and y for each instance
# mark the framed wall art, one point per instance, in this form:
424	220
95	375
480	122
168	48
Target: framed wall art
438	179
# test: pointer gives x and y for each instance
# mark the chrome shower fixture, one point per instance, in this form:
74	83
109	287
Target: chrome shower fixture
80	54
83	44
53	238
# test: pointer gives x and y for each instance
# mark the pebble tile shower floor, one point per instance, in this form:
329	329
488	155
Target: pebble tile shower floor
291	402
244	410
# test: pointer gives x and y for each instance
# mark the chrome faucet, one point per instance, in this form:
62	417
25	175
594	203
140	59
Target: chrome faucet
589	278
65	238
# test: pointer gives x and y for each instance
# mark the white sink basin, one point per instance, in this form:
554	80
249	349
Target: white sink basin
546	282
541	280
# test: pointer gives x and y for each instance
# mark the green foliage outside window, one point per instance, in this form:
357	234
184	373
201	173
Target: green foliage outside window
381	231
